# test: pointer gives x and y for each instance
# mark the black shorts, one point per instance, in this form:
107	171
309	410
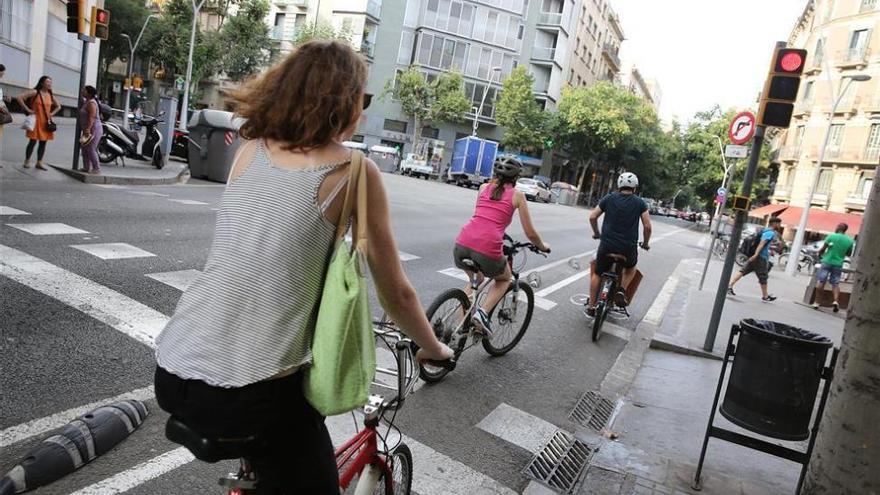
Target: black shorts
760	266
299	457
603	261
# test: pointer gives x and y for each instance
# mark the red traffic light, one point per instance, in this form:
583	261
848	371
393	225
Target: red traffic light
103	16
790	60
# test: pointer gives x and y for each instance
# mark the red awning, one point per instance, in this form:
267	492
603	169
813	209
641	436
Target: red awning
771	210
822	221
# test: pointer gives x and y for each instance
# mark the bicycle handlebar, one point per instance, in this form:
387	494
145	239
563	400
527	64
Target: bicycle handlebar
518	246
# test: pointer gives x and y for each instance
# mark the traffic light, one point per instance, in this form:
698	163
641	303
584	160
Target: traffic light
76	16
100	23
781	87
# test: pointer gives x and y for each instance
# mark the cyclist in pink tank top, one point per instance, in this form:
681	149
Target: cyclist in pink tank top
482	238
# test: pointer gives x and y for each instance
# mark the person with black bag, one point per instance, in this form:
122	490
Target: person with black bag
5	114
40	106
757	248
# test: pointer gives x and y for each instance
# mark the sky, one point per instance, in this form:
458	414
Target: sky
704	52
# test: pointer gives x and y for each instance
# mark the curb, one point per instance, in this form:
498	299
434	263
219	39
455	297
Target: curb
662	343
180	178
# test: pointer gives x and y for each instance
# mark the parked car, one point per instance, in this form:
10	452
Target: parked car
534	190
672	212
416	166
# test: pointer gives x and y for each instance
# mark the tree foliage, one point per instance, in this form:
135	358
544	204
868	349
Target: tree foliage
245	38
440	100
128	18
320	31
526	124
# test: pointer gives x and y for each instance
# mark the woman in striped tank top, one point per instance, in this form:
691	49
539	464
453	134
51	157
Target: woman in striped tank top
229	360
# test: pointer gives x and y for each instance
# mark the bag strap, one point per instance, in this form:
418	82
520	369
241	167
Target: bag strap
361	244
354	181
49	110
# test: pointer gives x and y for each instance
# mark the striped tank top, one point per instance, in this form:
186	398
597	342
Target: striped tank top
251	314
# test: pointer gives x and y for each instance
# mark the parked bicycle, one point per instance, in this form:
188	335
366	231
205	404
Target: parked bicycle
806	262
610	297
378	466
451	313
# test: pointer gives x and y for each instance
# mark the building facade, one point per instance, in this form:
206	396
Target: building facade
633	80
34	42
595	47
842	40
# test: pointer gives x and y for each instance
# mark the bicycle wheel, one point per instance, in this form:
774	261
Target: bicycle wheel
741	259
445	314
510	318
783	261
401	463
601	313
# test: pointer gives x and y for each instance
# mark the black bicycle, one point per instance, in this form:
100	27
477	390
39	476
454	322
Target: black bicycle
611	296
452	311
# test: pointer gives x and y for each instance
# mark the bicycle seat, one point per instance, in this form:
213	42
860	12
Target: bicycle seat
211	449
618	257
471	265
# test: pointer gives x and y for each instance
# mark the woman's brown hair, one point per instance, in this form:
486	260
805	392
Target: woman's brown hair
500	183
305	101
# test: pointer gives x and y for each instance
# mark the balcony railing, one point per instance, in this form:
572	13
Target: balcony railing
790	153
803	106
868	5
367	48
543	53
853	56
374	8
610	53
550	18
872	154
782	192
277	33
854	202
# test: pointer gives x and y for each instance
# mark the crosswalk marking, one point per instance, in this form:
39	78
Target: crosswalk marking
518	427
126	480
15	434
47	228
113	250
562	283
8	210
540	302
150	193
124	314
407	256
187	202
180	280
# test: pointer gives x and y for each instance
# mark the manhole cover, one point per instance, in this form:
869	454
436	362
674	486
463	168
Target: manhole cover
561	462
592	411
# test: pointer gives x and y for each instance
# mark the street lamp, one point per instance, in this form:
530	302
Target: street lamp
798	243
483	100
189	61
132	48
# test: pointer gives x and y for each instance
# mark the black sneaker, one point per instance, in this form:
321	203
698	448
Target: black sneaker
835	307
769	298
589	312
730	291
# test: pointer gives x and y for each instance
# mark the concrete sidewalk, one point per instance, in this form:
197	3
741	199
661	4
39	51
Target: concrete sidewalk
662	414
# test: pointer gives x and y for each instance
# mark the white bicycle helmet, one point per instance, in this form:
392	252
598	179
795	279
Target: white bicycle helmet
627	179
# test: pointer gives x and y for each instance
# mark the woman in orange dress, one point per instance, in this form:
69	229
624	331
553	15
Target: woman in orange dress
42	103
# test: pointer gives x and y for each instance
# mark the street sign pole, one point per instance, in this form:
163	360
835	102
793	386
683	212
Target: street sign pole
82	82
735	235
719	213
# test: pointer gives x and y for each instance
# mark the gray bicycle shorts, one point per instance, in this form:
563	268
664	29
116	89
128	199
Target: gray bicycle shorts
488	266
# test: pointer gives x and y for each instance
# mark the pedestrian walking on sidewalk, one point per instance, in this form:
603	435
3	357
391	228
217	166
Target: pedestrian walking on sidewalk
40	103
92	130
759	262
232	358
5	115
834	251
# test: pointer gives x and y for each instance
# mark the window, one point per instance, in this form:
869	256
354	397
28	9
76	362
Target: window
405	51
858	42
395	126
825	176
62	47
454	17
799	135
467	20
836	137
863	187
867	5
443	15
357	138
491	24
819	53
431	12
808	92
872	149
15	22
430	132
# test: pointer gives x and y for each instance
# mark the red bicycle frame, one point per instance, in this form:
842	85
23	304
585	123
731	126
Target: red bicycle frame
359	452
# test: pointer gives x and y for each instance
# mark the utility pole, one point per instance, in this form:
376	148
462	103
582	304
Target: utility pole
86	39
189	62
719	211
130	66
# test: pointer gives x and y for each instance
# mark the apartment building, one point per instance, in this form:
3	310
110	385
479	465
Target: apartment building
34	42
843	40
595	45
632	79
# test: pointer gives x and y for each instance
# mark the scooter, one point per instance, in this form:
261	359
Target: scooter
119	142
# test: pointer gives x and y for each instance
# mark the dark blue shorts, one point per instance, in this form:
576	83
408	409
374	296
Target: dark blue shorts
827	272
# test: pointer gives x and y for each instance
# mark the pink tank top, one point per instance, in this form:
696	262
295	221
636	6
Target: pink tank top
484	233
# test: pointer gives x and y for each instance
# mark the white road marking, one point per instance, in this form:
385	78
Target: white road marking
8	210
518	427
126	480
150	193
540	302
130	317
407	256
113	250
562	283
187	202
180	280
655	313
47	228
15	434
703	241
110	186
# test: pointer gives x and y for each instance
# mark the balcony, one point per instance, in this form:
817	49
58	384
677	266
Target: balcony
277	33
374	8
550	19
782	193
367	48
610	54
292	3
803	107
871	155
820	198
814	66
543	54
868	5
855	201
848	106
872	105
853	58
790	153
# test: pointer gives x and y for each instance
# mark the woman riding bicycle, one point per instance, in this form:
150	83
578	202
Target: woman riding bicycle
482	239
230	358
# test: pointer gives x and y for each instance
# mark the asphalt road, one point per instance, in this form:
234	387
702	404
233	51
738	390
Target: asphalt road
60	353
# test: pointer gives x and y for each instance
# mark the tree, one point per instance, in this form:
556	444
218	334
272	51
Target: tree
525	124
246	38
169	43
128	18
320	32
848	443
440	100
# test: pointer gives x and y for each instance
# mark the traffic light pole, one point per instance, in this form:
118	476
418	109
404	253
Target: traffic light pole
82	82
735	235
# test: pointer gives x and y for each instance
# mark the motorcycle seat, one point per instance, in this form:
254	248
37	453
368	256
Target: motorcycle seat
130	134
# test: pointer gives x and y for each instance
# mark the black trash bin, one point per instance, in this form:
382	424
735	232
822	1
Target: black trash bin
774	379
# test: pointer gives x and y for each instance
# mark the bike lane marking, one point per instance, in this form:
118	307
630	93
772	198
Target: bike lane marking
124	481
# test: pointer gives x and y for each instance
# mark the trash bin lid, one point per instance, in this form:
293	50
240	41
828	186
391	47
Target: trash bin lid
774	330
217	119
194	119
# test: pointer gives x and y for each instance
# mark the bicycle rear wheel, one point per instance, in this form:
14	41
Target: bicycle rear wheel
601	313
401	463
446	315
510	319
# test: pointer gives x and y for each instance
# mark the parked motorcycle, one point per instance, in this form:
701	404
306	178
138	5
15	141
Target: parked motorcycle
119	142
180	145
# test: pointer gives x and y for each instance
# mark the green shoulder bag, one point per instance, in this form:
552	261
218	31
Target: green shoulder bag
343	347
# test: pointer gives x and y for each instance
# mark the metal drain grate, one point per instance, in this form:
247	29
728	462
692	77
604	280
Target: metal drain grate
592	411
560	463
